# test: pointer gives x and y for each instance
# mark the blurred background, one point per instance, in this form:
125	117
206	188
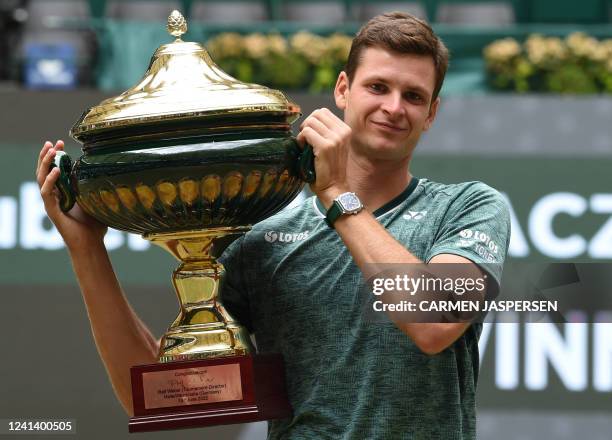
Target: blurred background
526	108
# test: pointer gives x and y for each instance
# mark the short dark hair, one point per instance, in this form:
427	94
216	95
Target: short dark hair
401	33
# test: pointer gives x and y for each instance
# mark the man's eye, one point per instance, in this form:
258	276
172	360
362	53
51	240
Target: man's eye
377	87
414	97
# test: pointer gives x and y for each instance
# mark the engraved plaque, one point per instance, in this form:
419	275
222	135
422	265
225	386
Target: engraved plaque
192	386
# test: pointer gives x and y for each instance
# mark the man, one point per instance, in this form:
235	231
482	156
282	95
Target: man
346	378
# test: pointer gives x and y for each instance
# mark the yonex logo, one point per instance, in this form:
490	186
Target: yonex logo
284	237
415	215
465	243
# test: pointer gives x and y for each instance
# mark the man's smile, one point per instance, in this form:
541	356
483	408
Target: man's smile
386	126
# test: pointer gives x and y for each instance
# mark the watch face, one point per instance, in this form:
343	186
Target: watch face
349	202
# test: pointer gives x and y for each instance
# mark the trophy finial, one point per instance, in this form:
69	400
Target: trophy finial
177	25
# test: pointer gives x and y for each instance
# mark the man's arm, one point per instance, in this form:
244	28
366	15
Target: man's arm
365	238
370	243
121	338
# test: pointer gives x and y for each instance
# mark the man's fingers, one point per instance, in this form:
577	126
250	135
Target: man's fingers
43	169
47	191
327	124
44	150
338	126
42	154
322	114
59	145
330	120
309	135
317	126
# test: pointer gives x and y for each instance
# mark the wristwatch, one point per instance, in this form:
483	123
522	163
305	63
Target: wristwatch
345	203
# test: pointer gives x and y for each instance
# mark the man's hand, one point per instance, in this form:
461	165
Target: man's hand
76	227
329	137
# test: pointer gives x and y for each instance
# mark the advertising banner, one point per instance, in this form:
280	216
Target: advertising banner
561	211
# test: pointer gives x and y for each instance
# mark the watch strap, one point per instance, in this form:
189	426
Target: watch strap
333	213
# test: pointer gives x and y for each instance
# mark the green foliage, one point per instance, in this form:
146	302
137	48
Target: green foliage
284	71
304	61
571	79
579	64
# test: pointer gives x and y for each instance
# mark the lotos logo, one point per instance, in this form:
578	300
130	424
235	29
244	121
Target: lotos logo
284	237
480	242
270	236
466	233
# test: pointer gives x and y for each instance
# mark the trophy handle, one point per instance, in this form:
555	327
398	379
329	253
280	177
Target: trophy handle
305	164
66	196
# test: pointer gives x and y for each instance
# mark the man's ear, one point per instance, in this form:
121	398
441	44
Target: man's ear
341	90
433	111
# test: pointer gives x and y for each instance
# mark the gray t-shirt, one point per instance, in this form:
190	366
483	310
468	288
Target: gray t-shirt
293	283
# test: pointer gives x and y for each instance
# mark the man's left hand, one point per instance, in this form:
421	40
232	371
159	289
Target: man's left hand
329	137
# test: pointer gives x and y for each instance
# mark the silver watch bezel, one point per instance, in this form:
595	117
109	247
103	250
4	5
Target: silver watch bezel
347	199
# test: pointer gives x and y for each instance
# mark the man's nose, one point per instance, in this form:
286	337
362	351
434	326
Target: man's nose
393	104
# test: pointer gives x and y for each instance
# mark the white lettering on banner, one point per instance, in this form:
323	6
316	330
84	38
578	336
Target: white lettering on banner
23	223
483	341
518	243
33	234
540	225
546	347
8	222
541	231
568	356
137	243
601	244
113	239
507	355
602	356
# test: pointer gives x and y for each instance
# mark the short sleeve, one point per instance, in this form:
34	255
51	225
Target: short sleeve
476	226
233	293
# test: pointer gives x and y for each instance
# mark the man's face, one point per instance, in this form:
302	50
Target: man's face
388	105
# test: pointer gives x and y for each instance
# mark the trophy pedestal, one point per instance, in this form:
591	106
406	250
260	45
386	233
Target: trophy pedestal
187	394
208	374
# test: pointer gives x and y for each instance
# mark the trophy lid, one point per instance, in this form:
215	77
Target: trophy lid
183	84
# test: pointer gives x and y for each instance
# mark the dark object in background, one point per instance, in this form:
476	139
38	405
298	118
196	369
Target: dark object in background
13	14
56	25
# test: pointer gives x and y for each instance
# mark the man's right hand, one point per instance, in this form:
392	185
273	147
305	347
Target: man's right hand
77	228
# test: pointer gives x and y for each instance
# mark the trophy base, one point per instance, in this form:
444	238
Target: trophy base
218	391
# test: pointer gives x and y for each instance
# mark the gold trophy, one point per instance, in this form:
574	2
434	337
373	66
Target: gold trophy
190	158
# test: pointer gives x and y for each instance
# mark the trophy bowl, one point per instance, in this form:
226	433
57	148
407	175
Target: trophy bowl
190	158
171	185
